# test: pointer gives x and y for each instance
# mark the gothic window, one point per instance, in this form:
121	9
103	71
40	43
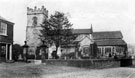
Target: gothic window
119	49
34	21
3	28
103	51
107	49
86	51
100	50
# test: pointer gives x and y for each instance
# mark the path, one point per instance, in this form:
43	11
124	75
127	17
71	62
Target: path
102	73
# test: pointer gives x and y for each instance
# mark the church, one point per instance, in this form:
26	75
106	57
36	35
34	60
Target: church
108	43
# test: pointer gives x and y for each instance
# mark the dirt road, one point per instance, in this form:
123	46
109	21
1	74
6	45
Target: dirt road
102	73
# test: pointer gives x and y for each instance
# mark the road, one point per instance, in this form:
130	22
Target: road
28	70
101	73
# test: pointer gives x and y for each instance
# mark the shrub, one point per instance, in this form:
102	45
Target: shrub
17	50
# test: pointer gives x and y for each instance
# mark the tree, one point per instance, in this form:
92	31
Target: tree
57	29
17	50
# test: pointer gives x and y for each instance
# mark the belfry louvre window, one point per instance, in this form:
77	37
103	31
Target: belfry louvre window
3	28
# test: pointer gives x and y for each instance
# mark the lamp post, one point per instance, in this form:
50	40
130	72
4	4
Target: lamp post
25	51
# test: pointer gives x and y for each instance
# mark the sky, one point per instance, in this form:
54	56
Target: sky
104	15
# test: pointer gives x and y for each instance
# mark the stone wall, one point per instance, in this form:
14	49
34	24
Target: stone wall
32	38
90	63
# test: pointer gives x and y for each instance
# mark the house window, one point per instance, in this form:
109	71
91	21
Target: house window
3	28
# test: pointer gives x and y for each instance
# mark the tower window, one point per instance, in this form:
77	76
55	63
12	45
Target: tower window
34	21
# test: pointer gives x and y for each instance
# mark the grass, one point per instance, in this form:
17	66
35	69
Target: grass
29	70
25	70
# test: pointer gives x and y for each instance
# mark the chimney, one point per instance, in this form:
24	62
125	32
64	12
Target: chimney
91	29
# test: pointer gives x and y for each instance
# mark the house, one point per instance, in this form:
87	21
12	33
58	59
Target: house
6	39
96	44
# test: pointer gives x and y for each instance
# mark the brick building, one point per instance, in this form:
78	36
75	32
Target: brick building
6	39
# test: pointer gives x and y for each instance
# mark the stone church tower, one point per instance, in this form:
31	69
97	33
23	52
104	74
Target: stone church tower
35	18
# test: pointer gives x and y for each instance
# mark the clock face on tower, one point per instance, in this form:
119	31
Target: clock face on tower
34	21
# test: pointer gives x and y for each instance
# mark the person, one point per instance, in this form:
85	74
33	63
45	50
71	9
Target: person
110	55
54	55
115	56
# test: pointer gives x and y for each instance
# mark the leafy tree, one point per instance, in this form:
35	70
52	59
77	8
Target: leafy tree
56	29
17	50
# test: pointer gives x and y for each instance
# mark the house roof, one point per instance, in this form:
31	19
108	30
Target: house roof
110	42
100	35
82	31
105	38
3	19
107	35
68	45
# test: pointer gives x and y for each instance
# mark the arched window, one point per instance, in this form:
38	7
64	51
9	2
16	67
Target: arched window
34	21
86	51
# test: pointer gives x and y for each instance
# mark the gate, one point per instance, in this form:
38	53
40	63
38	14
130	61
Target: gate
125	62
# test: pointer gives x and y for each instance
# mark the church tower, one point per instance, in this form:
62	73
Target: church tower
35	18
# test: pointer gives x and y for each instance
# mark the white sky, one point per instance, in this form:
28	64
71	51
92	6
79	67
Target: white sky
104	15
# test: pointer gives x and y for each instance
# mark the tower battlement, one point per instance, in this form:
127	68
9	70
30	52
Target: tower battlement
36	10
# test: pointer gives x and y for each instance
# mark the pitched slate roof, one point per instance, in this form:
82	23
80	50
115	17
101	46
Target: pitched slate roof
110	42
82	31
108	38
107	35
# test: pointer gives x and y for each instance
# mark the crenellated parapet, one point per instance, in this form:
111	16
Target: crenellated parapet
36	10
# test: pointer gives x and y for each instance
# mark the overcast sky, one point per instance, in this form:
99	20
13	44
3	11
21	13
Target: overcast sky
104	15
